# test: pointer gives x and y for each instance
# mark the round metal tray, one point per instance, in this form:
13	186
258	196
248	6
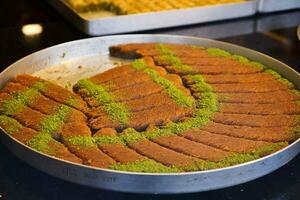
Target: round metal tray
90	53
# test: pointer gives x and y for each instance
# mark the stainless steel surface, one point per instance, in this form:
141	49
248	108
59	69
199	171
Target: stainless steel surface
154	20
83	50
278	21
265	6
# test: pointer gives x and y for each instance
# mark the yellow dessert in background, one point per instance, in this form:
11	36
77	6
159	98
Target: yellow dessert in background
123	7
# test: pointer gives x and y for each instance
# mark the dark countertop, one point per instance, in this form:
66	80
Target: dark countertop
272	34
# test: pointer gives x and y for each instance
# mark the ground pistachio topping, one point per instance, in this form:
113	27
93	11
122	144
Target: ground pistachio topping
175	93
130	135
222	53
168	55
296	92
40	85
197	47
144	165
105	139
41	142
72	101
239	58
52	123
117	111
218	52
10	125
246	61
236	158
49	126
296	132
207	105
172	58
86	141
278	77
20	99
150	166
96	140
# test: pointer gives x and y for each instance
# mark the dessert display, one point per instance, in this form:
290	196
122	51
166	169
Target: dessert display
121	7
174	108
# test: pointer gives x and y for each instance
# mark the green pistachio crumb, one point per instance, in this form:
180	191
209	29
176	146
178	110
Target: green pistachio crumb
207	106
72	101
197	47
53	123
104	139
296	92
130	135
235	158
175	93
146	166
168	55
241	59
86	141
218	52
10	125
19	101
117	111
41	143
279	77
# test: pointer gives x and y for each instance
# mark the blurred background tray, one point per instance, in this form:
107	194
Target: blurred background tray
96	24
265	6
280	20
